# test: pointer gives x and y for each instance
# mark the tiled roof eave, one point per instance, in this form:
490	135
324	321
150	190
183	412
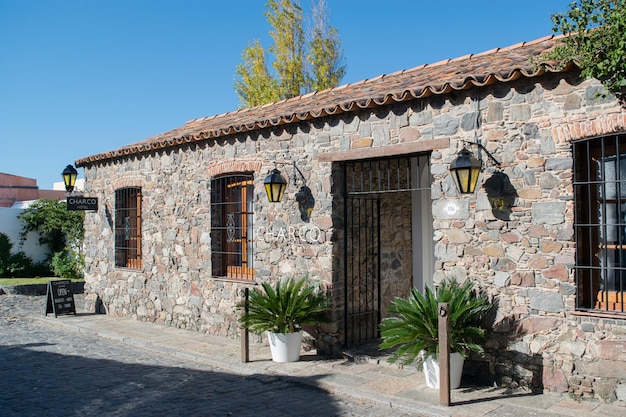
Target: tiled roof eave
194	131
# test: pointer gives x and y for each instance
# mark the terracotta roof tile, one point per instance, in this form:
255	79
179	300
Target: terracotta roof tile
496	65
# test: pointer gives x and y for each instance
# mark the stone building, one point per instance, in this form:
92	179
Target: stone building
371	210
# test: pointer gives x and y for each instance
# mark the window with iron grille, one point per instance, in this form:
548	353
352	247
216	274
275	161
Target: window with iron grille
128	227
232	226
600	223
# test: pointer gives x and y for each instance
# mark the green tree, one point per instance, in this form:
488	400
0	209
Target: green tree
285	17
299	67
61	230
596	40
256	86
325	54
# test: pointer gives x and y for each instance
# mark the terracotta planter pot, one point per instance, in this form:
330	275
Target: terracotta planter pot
285	347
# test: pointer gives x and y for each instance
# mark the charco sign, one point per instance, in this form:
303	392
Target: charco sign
304	234
82	203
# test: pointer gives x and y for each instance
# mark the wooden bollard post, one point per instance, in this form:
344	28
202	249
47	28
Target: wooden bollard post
444	353
245	334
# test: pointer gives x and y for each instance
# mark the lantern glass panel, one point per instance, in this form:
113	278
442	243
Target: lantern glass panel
275	191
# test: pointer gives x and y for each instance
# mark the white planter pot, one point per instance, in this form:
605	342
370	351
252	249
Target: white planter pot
431	371
285	347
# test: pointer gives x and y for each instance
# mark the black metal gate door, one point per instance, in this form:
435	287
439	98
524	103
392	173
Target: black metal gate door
362	269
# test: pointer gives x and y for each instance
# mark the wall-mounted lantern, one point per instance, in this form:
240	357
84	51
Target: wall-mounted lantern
276	184
69	178
73	201
465	168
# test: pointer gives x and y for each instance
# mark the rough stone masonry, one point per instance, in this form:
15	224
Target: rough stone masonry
518	247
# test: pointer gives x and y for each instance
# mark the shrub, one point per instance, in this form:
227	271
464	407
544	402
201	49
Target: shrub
284	307
5	250
414	328
66	266
18	265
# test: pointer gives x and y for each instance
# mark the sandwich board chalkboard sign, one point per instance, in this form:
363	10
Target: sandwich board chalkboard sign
59	298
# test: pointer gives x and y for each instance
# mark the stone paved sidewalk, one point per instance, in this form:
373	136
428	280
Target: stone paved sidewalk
369	380
49	370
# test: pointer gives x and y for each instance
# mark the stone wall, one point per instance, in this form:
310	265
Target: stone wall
517	245
174	286
395	251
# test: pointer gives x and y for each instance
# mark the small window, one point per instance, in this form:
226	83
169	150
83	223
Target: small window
232	226
128	228
600	223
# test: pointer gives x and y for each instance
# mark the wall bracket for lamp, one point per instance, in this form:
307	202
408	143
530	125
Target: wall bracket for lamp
275	186
481	147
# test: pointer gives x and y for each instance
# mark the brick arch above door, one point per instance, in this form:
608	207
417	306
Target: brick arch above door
224	167
125	182
575	130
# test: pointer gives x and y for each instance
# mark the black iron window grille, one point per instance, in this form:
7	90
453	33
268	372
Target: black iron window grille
128	228
389	175
600	223
232	212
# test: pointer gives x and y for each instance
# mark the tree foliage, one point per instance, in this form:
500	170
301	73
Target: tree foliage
285	17
256	86
596	40
18	265
56	225
61	230
325	54
299	66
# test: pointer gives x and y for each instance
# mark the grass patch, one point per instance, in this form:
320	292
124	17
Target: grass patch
29	281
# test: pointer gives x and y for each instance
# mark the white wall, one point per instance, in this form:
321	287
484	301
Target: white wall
78	187
11	226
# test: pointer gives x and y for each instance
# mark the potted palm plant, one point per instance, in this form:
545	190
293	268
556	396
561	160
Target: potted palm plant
413	329
281	310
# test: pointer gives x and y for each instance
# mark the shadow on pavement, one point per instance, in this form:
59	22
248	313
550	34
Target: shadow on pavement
497	395
42	383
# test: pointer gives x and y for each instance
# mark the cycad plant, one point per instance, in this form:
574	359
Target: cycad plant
284	307
414	326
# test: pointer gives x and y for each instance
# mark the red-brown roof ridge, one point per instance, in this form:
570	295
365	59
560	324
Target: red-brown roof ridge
472	70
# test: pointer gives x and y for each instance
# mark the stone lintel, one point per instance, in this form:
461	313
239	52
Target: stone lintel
385	151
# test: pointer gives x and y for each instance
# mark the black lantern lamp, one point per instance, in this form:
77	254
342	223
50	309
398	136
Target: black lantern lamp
69	178
275	185
465	169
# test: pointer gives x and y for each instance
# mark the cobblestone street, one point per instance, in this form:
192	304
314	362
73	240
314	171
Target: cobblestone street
48	370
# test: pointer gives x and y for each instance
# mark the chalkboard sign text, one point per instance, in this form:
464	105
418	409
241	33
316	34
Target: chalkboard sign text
60	298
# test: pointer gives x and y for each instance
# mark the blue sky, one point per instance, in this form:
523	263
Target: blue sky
81	77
